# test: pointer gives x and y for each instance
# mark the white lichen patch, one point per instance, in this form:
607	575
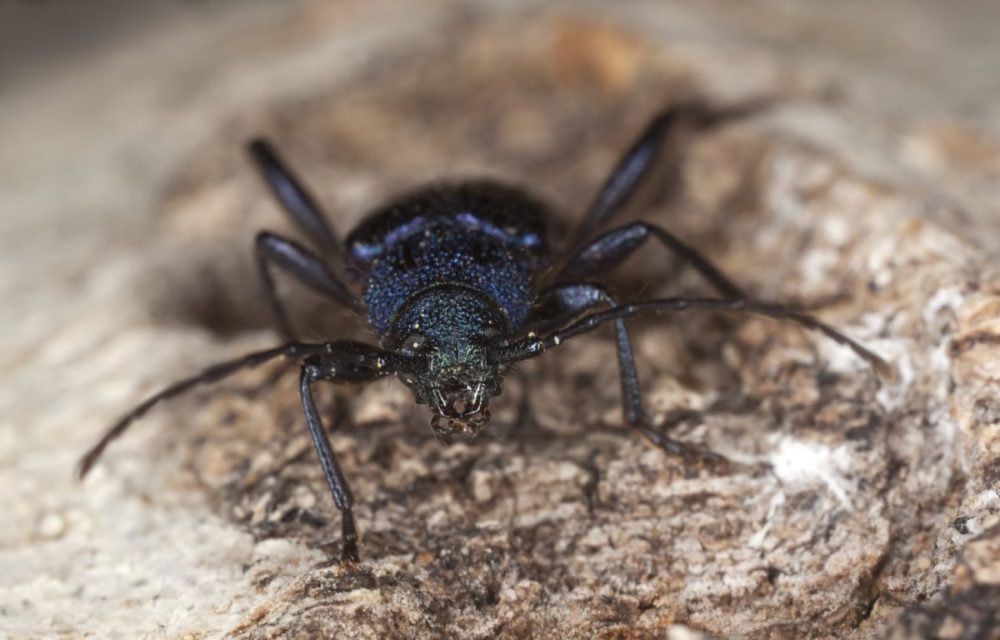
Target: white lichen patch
797	463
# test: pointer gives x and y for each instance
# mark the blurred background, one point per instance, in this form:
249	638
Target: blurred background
127	209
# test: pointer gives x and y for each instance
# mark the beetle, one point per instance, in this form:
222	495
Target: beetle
459	283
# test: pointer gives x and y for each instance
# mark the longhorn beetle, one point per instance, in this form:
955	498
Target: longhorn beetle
459	283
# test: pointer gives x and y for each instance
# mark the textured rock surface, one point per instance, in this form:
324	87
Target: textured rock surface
857	508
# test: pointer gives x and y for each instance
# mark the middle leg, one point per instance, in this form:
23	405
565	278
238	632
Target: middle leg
305	266
612	248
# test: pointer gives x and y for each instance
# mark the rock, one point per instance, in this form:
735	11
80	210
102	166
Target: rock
856	507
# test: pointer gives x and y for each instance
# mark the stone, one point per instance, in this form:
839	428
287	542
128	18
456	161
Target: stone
856	507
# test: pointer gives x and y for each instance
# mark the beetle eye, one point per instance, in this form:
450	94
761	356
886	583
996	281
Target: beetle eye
414	344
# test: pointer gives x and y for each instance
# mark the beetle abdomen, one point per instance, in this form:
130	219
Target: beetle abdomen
504	213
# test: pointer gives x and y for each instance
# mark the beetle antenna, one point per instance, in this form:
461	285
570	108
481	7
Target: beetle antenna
532	346
213	373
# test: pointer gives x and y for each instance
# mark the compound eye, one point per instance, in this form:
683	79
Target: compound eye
414	344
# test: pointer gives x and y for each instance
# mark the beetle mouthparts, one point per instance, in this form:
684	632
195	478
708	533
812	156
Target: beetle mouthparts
469	424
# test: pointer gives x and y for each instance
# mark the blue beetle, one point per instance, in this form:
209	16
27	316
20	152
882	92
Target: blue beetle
459	284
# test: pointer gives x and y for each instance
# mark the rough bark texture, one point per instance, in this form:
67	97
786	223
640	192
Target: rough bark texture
855	508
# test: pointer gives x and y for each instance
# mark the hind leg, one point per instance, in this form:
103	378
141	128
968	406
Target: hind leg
294	197
635	164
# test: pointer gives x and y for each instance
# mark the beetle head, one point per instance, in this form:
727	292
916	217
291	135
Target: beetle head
449	327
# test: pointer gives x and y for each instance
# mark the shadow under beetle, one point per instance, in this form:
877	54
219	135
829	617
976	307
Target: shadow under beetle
459	283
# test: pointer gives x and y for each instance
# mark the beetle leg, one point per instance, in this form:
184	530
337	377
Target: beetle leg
331	470
358	363
344	361
305	266
561	304
612	248
633	166
294	197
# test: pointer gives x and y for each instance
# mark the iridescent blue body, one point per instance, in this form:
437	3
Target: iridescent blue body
449	265
481	235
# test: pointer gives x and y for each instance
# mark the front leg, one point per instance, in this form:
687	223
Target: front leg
563	303
532	345
328	461
343	362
